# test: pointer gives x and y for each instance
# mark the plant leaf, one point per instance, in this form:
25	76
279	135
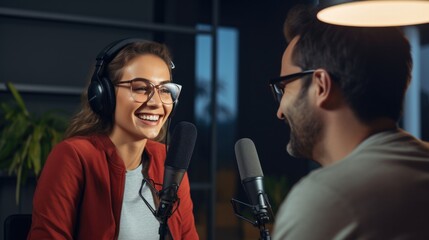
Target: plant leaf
11	137
18	184
34	151
18	98
14	164
24	152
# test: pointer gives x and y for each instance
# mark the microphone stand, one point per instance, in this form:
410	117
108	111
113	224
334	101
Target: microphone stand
165	208
163	229
262	216
264	233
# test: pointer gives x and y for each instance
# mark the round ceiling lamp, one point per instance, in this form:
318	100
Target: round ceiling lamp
374	13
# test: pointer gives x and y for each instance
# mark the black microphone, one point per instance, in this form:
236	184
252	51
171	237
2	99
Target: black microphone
176	163
252	179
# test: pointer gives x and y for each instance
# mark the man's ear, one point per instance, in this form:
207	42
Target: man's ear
326	92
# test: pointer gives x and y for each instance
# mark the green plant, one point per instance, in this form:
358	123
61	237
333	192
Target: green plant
26	138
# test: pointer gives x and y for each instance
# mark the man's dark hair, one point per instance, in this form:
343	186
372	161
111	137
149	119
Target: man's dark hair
297	20
372	66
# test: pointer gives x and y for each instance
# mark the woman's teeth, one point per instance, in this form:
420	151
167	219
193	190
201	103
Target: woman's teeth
149	117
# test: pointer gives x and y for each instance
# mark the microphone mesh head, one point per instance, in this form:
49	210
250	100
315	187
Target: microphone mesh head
247	159
181	145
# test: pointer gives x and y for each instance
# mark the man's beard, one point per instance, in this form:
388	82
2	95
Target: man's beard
305	128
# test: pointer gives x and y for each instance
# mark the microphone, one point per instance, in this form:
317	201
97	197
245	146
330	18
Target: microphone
176	163
252	180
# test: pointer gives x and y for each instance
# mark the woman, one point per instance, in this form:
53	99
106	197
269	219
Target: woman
91	183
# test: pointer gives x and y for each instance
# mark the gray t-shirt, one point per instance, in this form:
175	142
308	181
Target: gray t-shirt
379	191
137	221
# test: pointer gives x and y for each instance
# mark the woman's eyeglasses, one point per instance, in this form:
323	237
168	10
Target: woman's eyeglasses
142	90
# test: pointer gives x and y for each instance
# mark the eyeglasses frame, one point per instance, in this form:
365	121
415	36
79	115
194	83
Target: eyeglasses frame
153	87
277	90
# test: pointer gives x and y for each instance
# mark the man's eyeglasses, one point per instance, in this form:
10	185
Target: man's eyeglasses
142	90
278	84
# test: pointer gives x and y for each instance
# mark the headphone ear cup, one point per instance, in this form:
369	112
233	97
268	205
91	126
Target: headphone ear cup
110	97
101	97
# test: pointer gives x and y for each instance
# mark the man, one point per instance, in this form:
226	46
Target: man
341	92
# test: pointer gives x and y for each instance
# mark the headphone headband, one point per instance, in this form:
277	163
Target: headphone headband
110	51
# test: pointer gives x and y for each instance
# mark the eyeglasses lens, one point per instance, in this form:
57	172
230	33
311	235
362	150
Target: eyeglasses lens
143	90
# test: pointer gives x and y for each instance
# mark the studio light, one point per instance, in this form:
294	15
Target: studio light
374	13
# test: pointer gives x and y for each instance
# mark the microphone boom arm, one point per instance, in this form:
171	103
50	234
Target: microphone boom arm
165	209
261	219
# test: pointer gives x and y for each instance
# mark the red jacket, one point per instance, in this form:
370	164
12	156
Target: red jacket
79	193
